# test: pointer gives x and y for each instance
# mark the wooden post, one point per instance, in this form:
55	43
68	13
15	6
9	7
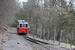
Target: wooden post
48	36
40	33
60	36
54	35
33	33
37	33
44	34
71	39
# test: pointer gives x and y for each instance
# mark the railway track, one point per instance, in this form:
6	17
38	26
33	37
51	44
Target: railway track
37	42
46	45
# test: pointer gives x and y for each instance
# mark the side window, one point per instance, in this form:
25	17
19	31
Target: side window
20	25
26	25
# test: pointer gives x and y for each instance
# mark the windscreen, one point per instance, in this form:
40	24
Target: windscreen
23	25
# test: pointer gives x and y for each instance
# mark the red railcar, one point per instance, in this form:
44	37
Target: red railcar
22	28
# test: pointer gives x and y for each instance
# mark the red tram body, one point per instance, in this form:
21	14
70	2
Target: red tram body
23	30
22	27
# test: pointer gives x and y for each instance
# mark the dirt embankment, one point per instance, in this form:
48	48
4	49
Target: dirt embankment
3	34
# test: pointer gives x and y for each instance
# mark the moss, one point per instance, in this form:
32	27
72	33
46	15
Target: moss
5	29
3	41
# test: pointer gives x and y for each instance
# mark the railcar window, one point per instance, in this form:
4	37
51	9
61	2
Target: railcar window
23	25
20	25
26	25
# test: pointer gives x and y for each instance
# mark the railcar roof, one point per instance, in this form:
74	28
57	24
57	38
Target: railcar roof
23	22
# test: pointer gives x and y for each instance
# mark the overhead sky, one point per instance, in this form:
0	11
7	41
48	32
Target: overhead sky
23	0
65	0
27	0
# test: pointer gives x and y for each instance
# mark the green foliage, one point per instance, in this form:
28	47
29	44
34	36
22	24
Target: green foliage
14	24
5	29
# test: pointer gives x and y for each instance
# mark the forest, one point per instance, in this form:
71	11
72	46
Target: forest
47	17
